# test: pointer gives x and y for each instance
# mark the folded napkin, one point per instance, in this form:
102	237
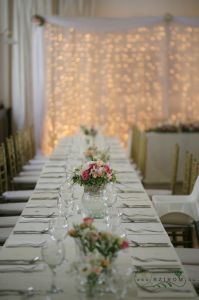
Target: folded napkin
39	212
44	195
47	186
25	241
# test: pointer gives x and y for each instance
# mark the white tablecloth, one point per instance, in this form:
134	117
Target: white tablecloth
145	228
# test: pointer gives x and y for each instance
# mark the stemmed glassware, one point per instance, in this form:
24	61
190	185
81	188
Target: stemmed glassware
58	228
53	255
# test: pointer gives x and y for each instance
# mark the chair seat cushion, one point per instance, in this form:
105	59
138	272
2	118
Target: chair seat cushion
4	234
18	195
11	209
30	173
37	162
27	179
188	256
32	168
8	221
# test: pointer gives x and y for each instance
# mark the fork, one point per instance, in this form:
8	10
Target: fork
143	229
147	244
151	259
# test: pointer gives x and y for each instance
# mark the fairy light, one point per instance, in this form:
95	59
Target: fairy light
114	80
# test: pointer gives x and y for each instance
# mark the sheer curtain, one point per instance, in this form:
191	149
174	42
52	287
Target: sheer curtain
116	72
22	90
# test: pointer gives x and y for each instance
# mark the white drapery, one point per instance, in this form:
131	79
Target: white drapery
22	89
115	72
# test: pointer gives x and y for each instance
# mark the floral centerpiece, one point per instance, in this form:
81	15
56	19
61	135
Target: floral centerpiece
93	154
93	175
91	240
92	131
99	249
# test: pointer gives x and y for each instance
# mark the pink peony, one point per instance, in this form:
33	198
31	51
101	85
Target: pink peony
85	175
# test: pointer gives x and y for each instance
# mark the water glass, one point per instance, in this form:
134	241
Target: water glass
53	255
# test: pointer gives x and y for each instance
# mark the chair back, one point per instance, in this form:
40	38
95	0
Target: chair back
3	170
187	173
175	168
142	154
12	167
135	144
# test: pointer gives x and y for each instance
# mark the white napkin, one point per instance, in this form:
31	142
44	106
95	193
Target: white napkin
44	195
41	203
47	186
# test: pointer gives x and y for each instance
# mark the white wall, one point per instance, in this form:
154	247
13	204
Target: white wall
128	8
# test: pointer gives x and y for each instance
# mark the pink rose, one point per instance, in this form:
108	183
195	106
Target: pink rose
107	169
88	221
85	175
124	244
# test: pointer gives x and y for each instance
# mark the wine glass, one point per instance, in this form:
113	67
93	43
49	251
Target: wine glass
111	194
58	228
53	255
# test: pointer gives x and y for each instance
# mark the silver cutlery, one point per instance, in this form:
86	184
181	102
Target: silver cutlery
157	269
31	231
143	229
22	245
124	205
151	259
19	261
29	292
41	206
133	243
38	216
20	269
143	220
135	215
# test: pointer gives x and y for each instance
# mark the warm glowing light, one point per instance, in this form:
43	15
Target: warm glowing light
114	80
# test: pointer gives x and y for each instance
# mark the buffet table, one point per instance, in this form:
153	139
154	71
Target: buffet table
160	148
150	245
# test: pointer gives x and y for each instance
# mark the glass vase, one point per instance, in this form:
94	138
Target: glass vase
94	202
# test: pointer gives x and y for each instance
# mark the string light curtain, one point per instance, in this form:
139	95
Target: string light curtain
115	74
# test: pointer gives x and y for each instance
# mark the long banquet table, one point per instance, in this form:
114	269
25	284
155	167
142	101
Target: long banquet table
144	227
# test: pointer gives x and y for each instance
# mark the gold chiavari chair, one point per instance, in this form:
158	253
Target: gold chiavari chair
15	180
142	154
174	173
187	173
194	174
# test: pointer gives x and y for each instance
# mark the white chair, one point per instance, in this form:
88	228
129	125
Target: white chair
11	209
188	204
4	234
8	221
